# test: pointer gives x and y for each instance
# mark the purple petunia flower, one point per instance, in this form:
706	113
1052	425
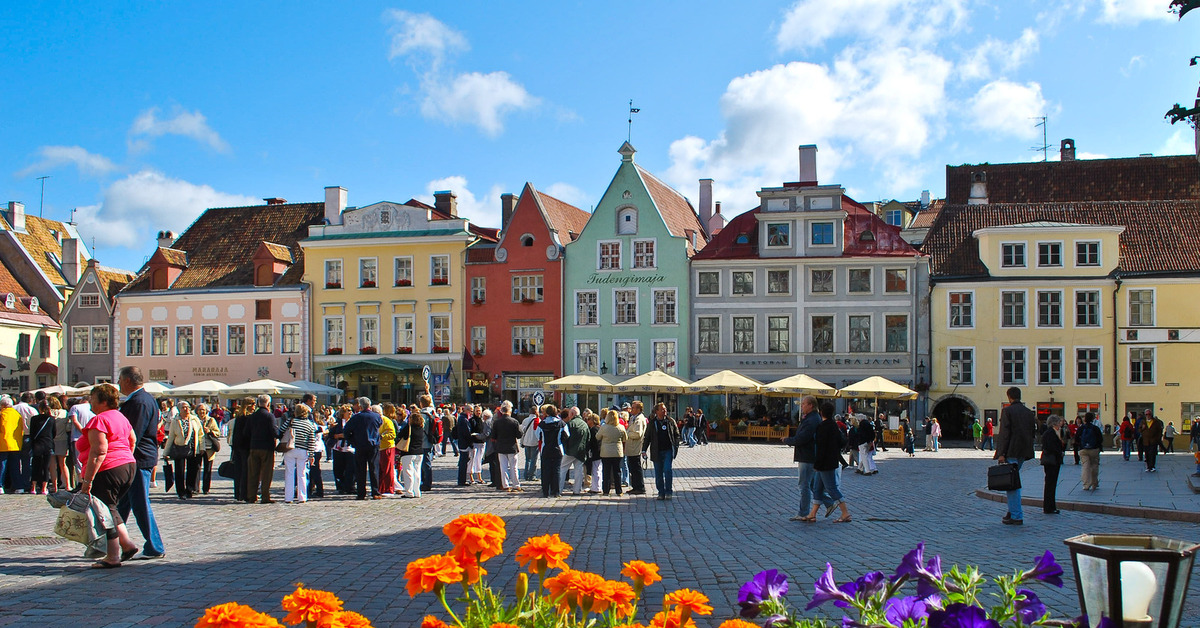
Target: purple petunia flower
1046	570
961	616
850	589
871	583
912	563
1031	608
765	585
897	610
826	589
774	619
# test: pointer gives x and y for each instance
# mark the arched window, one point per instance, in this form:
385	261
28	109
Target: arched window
527	240
627	219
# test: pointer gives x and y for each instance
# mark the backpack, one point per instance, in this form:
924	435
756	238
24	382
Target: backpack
1127	431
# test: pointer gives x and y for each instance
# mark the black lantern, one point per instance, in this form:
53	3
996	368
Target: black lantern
1133	579
604	368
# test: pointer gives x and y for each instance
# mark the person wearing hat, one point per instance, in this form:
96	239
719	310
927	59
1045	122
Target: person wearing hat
635	432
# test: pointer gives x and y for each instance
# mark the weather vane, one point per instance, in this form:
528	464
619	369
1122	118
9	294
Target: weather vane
632	110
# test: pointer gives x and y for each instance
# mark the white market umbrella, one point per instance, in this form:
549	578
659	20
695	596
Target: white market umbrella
261	387
306	386
726	382
879	388
798	385
156	388
580	382
206	388
57	389
653	382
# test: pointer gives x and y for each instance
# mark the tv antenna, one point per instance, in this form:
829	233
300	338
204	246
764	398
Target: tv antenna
1045	147
632	110
42	202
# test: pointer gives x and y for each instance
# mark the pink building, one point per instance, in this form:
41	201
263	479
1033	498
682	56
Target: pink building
225	301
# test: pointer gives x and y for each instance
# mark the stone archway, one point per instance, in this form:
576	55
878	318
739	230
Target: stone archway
954	413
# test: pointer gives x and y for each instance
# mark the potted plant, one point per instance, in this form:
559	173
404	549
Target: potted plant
403	349
439	281
333	285
403	283
527	300
333	351
367	284
477	301
437	349
368	351
526	352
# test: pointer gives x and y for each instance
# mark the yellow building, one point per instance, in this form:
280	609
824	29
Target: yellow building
388	290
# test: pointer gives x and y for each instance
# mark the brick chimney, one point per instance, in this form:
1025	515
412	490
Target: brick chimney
716	222
808	164
70	260
508	203
275	200
16	215
446	202
924	199
706	186
978	194
335	204
166	239
1066	151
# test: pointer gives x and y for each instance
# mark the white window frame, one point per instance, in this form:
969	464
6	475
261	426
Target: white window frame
191	339
698	283
203	340
1153	363
637	348
294	342
399	274
812	348
433	268
907	280
832	234
1062	367
1025	373
1099	253
362	333
1042	243
950	366
767	235
617	306
654	344
229	345
364	275
166	341
85	300
1061	321
270	348
528	287
141	341
449	330
479	340
1024	308
325	331
788	330
733	333
528	338
99	333
654	320
700	330
600	256
1153	306
341	274
593	343
404	338
832	281
595	308
1024	254
478	289
789	273
950	309
653	242
870	333
1079	381
908	331
1099	308
86	337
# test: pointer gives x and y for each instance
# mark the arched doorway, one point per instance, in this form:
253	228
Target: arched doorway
954	413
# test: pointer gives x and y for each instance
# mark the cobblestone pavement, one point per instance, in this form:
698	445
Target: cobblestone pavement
728	521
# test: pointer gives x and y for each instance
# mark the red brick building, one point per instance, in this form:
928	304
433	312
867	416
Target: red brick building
515	305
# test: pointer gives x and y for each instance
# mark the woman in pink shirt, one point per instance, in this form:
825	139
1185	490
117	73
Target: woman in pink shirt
107	449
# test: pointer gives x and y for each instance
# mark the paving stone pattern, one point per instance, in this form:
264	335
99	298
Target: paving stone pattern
727	522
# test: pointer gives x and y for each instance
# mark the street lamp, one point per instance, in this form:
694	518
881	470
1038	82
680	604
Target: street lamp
1133	579
604	368
289	366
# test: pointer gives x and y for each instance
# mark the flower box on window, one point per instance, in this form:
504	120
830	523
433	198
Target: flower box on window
527	300
403	283
437	349
477	353
403	349
439	281
477	301
368	351
368	284
526	353
333	351
332	285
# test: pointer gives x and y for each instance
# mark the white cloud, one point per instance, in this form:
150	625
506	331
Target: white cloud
883	107
811	23
1007	56
53	157
1128	12
422	35
148	126
568	193
478	99
1181	142
1007	108
149	201
475	98
484	211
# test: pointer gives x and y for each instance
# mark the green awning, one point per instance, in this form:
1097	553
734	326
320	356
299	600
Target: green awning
377	364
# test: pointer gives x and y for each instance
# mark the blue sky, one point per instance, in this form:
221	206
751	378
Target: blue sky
144	115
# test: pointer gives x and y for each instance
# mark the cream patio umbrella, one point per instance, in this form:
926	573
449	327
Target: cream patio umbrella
261	387
580	382
156	388
726	382
306	386
879	388
798	385
206	388
653	382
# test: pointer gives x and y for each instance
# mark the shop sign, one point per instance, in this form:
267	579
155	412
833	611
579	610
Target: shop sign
210	372
857	362
625	280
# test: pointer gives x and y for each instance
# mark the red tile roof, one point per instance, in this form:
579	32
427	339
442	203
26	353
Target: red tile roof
20	311
220	245
1159	237
565	218
676	211
1127	179
925	217
278	251
887	241
43	246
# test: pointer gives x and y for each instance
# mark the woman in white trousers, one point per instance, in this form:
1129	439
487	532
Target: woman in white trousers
295	460
414	432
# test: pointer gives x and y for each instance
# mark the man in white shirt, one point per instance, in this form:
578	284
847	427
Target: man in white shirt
80	415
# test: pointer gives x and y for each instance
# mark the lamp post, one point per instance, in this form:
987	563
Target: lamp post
921	385
1133	579
289	366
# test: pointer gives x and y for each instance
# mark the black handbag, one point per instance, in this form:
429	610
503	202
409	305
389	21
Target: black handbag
1004	477
225	469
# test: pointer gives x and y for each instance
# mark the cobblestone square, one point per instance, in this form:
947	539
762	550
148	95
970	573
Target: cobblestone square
729	520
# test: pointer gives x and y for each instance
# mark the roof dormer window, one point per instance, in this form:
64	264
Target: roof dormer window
10	301
33	304
527	240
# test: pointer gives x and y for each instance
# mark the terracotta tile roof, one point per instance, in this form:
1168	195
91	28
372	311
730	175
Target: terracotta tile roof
221	243
925	217
1127	179
886	243
113	279
565	218
1159	237
10	285
173	256
43	246
676	211
278	251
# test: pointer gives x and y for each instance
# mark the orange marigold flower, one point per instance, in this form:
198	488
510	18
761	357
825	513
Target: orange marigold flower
562	589
433	622
592	590
621	595
694	601
737	623
642	574
540	553
309	605
471	569
430	573
344	619
477	533
234	615
671	619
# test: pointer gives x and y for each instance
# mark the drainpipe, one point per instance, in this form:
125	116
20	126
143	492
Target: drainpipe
929	334
1115	357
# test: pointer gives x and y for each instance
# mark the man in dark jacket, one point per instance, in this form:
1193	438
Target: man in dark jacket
362	431
463	428
240	455
142	412
1014	445
805	453
662	443
505	433
575	453
263	430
